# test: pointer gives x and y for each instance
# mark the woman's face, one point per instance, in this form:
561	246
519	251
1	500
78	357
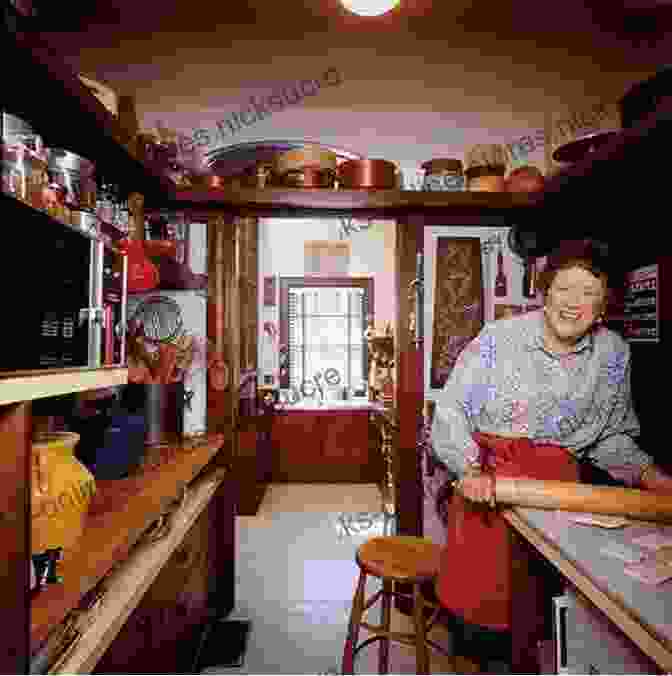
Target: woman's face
574	301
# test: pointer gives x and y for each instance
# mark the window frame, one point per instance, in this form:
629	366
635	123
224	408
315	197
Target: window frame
287	283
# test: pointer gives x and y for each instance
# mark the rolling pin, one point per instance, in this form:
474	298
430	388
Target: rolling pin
574	497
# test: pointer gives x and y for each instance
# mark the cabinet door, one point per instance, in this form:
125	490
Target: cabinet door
296	441
345	446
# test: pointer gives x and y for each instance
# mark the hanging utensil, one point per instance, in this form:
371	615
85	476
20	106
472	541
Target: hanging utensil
161	318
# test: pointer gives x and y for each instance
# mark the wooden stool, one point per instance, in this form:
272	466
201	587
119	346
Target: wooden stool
401	559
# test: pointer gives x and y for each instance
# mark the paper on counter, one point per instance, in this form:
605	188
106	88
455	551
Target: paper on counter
601	520
623	552
650	572
654	541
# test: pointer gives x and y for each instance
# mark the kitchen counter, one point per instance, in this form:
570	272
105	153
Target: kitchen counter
642	612
335	405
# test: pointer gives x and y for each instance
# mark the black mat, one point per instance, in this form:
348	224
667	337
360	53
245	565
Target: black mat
223	644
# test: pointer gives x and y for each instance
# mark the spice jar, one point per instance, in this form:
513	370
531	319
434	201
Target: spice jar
486	166
444	175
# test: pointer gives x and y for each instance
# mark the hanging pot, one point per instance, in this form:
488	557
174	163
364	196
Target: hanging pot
367	174
576	150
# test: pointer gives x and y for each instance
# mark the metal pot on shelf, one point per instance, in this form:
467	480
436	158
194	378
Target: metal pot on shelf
77	175
368	175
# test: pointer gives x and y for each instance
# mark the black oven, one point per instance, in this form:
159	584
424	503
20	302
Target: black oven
65	297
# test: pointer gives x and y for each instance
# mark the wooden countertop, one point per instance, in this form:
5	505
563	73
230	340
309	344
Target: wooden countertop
120	512
641	611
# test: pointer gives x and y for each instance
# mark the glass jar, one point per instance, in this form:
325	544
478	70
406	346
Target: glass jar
443	175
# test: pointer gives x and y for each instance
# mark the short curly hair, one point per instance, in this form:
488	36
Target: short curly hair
589	254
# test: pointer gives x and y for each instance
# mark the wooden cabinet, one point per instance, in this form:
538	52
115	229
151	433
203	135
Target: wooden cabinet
197	582
329	446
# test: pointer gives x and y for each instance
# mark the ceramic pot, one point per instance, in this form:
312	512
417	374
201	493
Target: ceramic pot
61	492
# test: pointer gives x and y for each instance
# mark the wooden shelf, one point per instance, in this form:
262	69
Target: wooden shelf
29	385
125	587
368	203
83	125
34	219
121	511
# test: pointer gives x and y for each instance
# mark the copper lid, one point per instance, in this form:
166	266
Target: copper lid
439	165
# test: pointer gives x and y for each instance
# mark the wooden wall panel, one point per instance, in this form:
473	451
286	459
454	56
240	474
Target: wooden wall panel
409	391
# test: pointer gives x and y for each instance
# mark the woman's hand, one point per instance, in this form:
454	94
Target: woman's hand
478	488
654	479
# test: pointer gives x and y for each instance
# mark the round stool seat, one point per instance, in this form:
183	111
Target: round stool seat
402	558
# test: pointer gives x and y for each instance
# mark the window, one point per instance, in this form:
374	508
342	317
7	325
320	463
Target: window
322	323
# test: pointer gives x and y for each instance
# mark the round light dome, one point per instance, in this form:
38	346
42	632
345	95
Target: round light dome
370	7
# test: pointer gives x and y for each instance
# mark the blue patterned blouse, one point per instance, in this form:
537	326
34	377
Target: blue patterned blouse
506	382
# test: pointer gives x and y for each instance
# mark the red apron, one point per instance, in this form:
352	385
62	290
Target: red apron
475	574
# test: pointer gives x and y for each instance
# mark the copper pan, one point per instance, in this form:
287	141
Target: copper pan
368	174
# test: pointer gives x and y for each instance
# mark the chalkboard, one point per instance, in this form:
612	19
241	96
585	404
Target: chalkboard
640	320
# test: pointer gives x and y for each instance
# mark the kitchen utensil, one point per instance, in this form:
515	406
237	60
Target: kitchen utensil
76	175
161	319
500	279
167	359
574	497
367	174
576	150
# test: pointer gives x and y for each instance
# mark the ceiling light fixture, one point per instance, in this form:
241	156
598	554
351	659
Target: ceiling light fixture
369	7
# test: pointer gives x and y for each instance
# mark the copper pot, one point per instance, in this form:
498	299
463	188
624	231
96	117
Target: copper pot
309	177
368	174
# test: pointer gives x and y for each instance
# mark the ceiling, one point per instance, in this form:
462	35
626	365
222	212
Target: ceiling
105	24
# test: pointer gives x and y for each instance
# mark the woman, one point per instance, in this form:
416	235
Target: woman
531	396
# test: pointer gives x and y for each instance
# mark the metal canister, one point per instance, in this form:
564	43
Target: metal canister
443	174
77	175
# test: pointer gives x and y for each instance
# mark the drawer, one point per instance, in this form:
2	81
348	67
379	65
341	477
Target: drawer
594	644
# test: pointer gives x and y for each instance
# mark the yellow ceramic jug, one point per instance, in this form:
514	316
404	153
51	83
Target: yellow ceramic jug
61	492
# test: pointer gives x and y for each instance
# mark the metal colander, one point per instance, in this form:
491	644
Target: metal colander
161	319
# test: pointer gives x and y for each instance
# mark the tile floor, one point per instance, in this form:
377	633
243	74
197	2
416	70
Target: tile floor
296	575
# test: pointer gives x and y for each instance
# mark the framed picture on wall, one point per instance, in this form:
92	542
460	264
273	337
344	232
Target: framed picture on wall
458	311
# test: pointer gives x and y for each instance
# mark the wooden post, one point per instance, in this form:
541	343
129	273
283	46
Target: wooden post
15	481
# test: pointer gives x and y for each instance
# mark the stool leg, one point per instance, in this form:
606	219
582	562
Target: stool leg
348	665
421	650
386	617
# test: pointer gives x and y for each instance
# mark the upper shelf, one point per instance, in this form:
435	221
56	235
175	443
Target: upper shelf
366	203
42	90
